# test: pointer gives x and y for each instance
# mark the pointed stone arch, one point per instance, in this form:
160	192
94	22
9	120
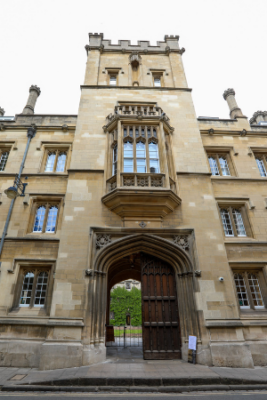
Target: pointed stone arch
157	247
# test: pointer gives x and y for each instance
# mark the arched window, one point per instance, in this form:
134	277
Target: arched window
153	157
141	157
51	219
41	289
39	219
128	157
46	218
61	162
49	167
27	287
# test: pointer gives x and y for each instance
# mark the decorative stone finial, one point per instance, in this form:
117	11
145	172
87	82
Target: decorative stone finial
2	112
34	94
257	117
228	92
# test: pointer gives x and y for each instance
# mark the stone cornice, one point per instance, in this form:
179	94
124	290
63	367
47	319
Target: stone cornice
93	171
221	132
237	322
221	179
193	173
41	321
136	88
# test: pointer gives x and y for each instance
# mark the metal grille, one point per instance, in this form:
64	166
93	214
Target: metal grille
127	336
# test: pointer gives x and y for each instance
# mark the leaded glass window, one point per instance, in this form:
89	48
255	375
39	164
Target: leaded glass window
51	219
213	166
39	219
56	161
27	287
233	223
219	164
261	165
140	157
115	160
239	224
41	289
45	219
248	289
227	224
3	160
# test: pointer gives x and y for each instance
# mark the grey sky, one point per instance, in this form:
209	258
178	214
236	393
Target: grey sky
42	43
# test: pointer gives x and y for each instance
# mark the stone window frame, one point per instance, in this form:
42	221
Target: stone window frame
113	72
217	152
58	148
47	201
5	148
244	270
36	266
242	206
261	153
157	74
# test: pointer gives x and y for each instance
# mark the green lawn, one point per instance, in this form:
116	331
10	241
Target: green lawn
120	332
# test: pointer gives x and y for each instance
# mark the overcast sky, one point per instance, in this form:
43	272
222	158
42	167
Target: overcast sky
42	42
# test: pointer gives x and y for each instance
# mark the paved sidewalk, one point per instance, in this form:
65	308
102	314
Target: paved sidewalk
127	363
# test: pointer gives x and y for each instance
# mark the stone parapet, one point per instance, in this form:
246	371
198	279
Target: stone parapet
170	44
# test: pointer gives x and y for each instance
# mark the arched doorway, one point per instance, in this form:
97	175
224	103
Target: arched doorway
154	246
160	317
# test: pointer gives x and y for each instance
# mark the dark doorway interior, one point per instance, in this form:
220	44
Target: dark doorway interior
160	320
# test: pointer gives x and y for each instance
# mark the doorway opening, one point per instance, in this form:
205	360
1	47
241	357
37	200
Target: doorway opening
146	318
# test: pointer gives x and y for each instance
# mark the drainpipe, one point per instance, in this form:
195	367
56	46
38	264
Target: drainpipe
30	134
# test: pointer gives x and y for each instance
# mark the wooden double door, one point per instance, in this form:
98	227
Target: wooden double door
161	332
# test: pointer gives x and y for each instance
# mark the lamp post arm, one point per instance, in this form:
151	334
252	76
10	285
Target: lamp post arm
30	134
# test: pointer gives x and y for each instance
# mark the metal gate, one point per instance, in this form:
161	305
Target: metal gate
127	336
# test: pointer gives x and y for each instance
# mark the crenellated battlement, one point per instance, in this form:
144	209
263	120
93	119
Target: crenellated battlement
170	44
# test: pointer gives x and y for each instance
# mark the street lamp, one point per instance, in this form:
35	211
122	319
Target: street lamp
17	190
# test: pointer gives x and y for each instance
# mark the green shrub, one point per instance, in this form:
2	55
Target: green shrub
123	302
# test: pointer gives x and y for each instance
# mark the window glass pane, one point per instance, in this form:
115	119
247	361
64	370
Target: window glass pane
227	224
241	291
41	287
113	80
128	149
213	166
26	292
224	166
261	166
141	164
154	166
51	219
50	162
39	219
239	223
157	82
61	162
114	164
153	150
3	160
255	291
140	150
128	165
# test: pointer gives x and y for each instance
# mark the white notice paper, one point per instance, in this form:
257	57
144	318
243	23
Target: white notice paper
192	343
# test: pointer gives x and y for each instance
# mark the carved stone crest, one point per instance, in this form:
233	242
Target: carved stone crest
102	240
181	241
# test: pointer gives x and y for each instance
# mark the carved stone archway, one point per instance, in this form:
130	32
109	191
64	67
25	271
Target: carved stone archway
151	244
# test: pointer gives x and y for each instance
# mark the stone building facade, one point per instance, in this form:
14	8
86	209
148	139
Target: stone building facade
135	176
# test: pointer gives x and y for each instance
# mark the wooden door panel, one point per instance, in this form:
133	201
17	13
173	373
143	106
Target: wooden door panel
161	333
